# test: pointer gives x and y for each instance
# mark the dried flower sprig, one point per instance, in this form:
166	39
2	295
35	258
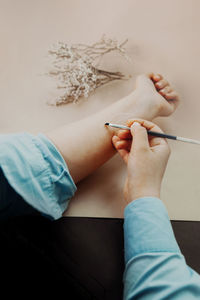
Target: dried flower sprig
76	67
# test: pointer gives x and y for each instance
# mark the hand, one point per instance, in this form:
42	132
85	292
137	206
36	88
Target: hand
154	96
146	158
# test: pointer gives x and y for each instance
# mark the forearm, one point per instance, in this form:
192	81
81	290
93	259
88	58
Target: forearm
155	267
86	145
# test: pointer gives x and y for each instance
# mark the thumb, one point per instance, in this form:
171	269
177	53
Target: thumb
140	138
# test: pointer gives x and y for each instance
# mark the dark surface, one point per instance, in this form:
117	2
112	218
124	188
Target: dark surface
187	234
11	203
75	257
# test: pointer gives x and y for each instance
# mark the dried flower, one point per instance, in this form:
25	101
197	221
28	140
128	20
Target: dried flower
76	68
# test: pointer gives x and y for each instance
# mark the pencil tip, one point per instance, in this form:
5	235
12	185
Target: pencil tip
106	124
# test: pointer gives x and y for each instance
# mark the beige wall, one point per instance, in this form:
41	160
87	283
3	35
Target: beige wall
164	36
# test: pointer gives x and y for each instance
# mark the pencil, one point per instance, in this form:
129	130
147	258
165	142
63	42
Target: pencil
158	134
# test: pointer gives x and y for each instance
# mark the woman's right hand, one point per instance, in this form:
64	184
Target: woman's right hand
146	158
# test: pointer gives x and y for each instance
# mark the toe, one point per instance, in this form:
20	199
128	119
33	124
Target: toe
161	84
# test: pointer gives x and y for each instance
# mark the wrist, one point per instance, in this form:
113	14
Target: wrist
149	111
137	188
142	196
133	194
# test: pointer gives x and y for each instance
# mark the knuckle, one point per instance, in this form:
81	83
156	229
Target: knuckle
129	122
142	149
168	96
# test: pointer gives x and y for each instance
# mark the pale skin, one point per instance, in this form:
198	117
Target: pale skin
146	158
87	144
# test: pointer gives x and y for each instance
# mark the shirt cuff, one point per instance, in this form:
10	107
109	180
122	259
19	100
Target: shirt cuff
147	228
37	171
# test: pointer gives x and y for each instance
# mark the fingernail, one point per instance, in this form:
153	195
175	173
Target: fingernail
158	84
114	138
136	124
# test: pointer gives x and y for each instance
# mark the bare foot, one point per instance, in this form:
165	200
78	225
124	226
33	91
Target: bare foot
154	96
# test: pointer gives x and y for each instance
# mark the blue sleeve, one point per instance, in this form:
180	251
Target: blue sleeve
36	170
154	266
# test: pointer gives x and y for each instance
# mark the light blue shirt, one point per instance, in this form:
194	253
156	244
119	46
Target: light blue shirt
155	268
37	171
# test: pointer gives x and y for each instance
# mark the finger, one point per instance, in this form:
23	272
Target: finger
173	99
147	124
122	152
115	140
157	141
124	155
165	90
162	147
161	84
121	144
153	141
172	95
155	77
124	144
140	138
124	134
